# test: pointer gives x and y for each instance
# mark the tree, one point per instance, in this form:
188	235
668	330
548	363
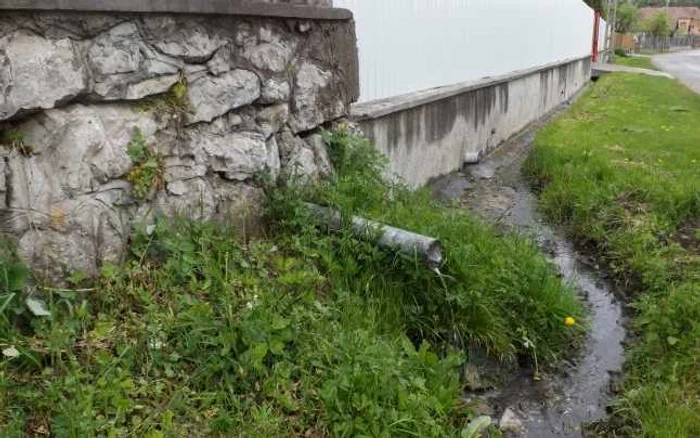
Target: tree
597	5
658	25
627	18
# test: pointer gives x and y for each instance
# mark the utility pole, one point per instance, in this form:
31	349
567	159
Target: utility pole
610	18
614	26
606	38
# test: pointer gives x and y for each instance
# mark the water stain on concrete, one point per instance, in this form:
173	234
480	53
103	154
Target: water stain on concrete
432	122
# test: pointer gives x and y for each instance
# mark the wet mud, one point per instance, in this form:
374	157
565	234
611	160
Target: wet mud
577	392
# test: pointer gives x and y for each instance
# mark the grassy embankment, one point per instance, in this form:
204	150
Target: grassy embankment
302	333
635	61
621	170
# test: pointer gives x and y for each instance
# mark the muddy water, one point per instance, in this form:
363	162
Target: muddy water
559	403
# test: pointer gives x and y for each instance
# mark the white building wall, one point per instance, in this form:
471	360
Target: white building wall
410	45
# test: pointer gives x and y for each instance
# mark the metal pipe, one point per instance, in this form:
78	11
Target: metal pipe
394	239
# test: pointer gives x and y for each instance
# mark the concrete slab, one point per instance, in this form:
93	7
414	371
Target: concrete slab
601	69
390	105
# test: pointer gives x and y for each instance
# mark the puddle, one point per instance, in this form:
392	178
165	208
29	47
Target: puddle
559	405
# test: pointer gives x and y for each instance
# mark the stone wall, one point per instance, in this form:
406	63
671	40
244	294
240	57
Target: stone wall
222	102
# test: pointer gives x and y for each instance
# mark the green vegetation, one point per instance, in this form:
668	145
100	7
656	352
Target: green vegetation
147	174
304	333
14	139
621	170
628	17
497	292
635	61
174	103
598	5
658	25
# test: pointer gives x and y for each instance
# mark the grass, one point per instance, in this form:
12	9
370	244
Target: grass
146	176
635	61
621	170
302	333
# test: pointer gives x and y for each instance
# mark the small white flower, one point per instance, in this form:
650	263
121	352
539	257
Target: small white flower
37	307
10	352
156	344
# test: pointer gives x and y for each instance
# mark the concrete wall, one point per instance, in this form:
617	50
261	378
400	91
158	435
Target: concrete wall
223	98
431	133
437	78
411	45
319	3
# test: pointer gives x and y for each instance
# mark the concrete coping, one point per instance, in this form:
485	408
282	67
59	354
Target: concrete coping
600	69
207	7
381	107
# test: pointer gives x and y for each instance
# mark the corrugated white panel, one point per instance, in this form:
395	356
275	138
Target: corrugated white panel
410	45
601	35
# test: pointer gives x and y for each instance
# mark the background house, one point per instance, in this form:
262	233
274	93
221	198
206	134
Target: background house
683	20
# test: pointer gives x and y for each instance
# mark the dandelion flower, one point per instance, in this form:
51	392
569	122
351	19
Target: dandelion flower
569	321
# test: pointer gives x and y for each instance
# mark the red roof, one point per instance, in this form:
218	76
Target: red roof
675	13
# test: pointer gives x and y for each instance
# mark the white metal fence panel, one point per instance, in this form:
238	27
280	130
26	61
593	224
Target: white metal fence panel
410	45
601	35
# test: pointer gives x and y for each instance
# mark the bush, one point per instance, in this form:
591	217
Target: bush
497	292
658	25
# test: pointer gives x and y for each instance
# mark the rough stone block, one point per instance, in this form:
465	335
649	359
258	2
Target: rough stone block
323	162
51	252
234	156
192	198
222	61
275	90
273	118
36	73
150	87
301	161
190	40
309	84
77	150
270	51
116	51
213	96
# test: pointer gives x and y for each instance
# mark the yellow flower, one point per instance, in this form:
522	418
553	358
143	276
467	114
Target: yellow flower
570	321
